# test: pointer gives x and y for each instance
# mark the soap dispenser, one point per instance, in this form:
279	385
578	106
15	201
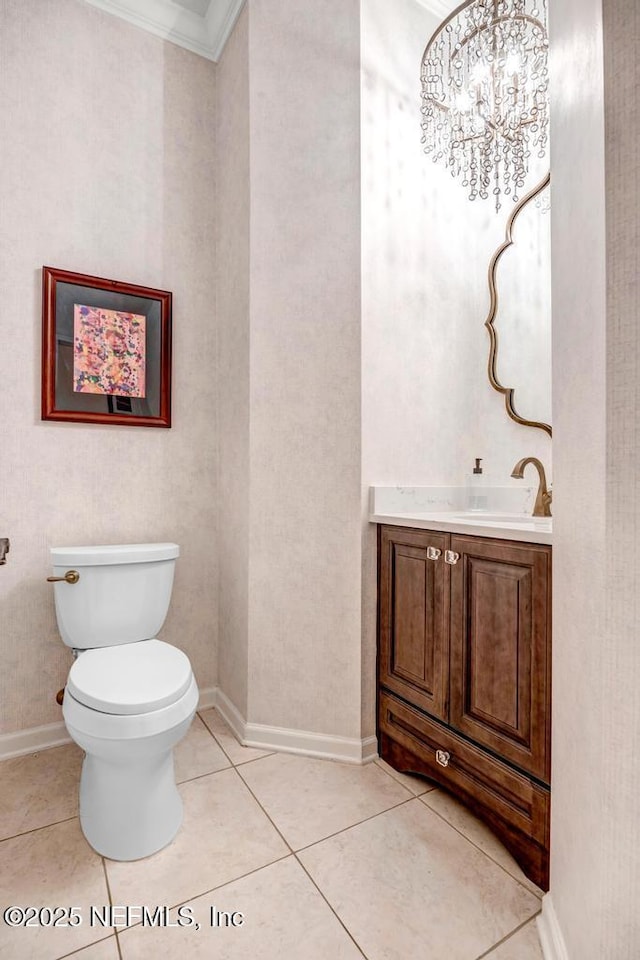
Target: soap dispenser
476	498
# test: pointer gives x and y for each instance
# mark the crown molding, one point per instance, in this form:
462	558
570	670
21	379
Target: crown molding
205	36
221	19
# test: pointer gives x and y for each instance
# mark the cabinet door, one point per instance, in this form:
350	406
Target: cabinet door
500	656
414	615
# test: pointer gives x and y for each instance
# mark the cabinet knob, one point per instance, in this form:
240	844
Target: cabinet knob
443	757
451	557
433	553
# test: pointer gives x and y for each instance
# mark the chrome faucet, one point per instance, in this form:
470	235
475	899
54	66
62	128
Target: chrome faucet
542	506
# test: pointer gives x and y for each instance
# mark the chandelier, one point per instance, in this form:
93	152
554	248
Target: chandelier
484	90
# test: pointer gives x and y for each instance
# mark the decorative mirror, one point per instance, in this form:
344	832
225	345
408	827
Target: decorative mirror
519	320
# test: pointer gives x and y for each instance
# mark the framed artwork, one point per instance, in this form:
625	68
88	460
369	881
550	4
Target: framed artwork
106	351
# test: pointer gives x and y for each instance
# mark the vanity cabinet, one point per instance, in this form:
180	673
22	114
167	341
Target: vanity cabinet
464	676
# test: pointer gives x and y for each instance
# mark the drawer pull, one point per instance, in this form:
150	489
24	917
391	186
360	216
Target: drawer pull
443	757
433	553
451	557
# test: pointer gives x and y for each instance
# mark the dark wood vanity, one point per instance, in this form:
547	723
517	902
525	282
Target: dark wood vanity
464	671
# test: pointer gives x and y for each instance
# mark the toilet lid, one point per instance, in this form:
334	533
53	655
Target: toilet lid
130	678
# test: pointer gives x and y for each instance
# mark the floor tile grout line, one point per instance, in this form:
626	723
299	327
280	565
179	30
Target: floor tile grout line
508	936
421	797
290	850
209	773
25	833
358	823
487	855
289	853
333	911
231	764
75	953
201	776
298	861
296	850
242	762
110	896
402	803
214	736
276	828
219	886
75	816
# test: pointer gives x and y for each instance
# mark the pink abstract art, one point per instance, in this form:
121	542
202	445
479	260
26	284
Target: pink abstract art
108	352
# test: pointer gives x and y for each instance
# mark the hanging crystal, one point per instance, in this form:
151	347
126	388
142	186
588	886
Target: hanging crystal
485	95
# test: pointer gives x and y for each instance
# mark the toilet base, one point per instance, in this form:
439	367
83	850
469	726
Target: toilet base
130	806
129	803
128	813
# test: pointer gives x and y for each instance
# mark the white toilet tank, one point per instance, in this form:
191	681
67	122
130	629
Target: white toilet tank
122	594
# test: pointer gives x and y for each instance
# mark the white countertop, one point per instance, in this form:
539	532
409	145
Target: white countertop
404	506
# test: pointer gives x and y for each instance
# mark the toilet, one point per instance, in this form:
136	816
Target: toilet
130	698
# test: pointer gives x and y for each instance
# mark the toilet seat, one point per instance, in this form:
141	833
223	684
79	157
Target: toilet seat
83	720
130	678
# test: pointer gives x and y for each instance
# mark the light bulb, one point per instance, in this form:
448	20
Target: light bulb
480	72
464	102
514	63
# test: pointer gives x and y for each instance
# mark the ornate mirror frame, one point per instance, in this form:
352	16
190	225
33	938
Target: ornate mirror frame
508	392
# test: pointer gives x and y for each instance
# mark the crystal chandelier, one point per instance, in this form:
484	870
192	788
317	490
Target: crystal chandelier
484	90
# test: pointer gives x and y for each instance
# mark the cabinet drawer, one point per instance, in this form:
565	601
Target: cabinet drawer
484	780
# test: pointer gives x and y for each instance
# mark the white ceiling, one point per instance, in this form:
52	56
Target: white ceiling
203	26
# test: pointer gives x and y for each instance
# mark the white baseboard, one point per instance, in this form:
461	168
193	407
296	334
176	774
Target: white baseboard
227	709
208	697
33	740
551	939
303	742
258	735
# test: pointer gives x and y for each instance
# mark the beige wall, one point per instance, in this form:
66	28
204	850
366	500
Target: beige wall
595	868
620	681
107	169
300	421
232	300
304	611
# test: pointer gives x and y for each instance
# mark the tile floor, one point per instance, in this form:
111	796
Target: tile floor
279	858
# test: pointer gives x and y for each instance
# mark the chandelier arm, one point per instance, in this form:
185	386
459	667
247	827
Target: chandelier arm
488	121
522	17
479	136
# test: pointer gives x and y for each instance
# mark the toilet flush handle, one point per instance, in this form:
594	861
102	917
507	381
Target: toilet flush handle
71	576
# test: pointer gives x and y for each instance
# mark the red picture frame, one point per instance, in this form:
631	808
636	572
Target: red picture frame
128	356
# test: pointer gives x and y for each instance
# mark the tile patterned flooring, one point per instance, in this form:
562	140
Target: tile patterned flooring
311	859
